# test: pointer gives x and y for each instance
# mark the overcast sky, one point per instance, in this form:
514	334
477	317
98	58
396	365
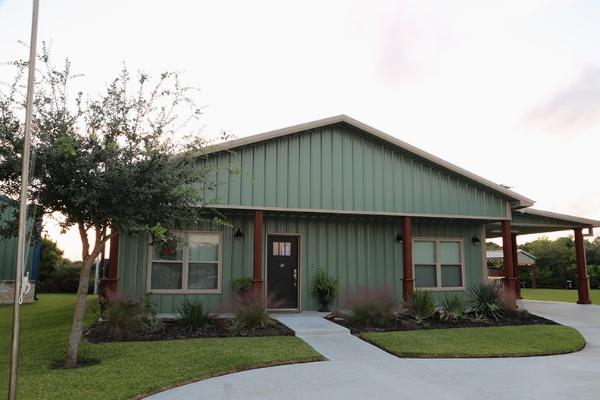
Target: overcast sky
507	89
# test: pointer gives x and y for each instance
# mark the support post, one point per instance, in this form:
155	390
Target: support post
21	255
257	280
112	275
407	258
583	282
515	258
509	272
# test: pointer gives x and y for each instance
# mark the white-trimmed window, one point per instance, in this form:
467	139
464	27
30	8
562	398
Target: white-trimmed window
438	263
189	264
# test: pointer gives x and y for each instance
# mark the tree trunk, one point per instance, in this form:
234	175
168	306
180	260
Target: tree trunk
81	299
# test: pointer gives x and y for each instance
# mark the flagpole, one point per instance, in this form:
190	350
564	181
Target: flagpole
12	389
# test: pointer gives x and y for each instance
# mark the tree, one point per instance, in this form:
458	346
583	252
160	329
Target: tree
51	258
109	163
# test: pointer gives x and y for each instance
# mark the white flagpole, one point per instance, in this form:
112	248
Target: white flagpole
12	389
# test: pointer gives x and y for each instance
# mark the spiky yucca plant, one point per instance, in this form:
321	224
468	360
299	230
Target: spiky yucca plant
485	301
452	307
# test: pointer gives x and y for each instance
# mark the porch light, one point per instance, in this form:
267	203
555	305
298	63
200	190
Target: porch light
399	237
475	239
238	234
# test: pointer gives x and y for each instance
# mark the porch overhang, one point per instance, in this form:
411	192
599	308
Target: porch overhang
531	221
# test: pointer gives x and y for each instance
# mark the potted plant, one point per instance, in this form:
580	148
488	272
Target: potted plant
324	289
242	285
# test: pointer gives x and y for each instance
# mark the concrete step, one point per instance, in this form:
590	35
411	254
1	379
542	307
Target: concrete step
311	324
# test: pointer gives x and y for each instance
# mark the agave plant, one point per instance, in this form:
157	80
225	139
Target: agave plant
452	307
421	305
485	301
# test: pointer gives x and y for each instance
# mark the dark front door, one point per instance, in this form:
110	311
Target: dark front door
282	272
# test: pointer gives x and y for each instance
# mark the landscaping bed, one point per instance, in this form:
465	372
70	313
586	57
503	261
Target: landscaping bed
158	365
405	322
100	332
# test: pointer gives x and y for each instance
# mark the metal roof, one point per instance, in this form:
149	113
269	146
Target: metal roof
521	200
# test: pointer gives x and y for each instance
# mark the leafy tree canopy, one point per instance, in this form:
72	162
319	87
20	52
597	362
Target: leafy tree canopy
110	162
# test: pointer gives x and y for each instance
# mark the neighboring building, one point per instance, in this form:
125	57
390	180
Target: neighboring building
495	263
336	194
8	262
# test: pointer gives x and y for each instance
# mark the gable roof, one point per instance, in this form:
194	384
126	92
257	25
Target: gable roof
521	200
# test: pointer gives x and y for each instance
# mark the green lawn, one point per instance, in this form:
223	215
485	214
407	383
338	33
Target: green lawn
509	341
569	296
125	370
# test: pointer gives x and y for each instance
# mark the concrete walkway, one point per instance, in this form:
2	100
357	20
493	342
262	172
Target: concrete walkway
357	370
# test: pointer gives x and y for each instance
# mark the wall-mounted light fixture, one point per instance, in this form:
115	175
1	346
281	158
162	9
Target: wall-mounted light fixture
399	237
238	234
475	239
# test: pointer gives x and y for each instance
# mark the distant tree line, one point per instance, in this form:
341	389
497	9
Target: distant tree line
57	274
556	262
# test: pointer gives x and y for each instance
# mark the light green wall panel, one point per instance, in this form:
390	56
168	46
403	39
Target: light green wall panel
359	252
341	168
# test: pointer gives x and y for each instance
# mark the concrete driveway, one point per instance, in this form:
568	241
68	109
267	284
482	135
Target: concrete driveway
357	370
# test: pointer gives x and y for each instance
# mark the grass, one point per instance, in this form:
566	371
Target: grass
124	370
506	341
569	296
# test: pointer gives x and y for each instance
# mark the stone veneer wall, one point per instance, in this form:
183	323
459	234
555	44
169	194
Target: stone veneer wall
7	292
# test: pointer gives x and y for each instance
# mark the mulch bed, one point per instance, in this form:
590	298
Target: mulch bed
99	332
406	323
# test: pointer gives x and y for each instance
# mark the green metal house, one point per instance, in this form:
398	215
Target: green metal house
8	261
335	194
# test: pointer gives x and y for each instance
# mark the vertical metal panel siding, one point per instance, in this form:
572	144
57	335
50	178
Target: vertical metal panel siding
8	258
360	252
363	252
237	262
337	167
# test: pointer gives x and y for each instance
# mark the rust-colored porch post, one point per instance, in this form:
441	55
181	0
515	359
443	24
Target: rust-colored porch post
407	258
515	258
112	275
583	283
257	280
509	273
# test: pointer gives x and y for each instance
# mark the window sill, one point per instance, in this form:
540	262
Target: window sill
442	289
184	291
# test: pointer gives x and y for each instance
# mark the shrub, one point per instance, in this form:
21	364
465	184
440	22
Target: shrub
191	314
242	285
452	307
486	301
421	305
373	308
126	317
250	311
324	289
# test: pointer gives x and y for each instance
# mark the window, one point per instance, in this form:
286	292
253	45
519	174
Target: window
438	263
189	264
282	248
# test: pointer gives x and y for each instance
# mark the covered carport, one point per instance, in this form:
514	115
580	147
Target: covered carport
528	221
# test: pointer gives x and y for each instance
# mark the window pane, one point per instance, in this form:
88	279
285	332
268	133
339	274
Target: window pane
451	275
450	253
203	247
166	275
275	248
425	276
168	251
424	252
203	276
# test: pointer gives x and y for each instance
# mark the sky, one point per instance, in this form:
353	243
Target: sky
507	89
